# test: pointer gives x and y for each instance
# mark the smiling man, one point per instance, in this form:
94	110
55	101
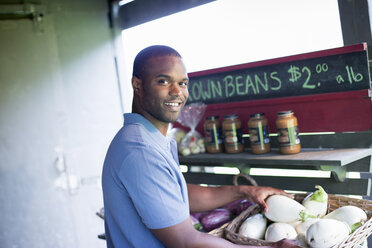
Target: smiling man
160	87
146	199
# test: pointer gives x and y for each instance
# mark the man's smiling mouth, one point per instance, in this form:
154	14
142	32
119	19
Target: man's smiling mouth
173	104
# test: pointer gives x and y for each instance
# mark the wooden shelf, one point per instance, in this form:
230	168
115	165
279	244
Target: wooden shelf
307	157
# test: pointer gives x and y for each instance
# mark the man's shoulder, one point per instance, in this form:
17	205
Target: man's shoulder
134	132
134	139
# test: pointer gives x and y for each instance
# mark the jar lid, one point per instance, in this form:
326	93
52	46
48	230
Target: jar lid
212	117
232	116
287	112
257	114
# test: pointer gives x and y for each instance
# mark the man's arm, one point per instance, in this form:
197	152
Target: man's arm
183	235
208	198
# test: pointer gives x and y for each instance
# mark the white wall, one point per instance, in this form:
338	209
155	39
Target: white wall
58	90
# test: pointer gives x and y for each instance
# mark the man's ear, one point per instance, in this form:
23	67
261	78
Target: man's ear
137	85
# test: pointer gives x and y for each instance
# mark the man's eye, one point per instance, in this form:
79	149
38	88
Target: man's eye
184	83
162	81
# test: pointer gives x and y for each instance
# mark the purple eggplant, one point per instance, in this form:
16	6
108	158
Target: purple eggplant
238	206
215	219
193	219
198	215
196	223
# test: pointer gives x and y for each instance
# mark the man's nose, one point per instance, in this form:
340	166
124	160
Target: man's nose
175	90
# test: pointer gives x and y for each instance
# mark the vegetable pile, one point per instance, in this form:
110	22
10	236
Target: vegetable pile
207	221
306	222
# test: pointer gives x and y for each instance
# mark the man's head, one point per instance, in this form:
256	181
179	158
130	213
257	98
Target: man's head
140	62
160	84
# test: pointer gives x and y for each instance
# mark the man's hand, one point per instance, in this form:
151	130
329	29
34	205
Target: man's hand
260	194
208	198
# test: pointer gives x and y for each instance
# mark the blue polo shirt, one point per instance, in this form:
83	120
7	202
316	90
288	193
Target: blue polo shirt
143	187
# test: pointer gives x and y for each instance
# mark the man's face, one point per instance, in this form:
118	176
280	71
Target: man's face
164	88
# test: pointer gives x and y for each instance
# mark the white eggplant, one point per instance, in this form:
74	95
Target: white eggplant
351	215
294	224
316	202
303	226
283	209
326	233
301	240
277	231
254	227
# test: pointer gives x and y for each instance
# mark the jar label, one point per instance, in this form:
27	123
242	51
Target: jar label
213	136
288	136
233	137
259	135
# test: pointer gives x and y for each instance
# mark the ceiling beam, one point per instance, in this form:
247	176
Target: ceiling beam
140	11
355	21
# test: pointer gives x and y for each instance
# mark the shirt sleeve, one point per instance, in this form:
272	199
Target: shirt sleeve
155	191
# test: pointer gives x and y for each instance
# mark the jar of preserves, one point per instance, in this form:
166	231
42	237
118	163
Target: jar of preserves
287	127
232	133
212	133
259	133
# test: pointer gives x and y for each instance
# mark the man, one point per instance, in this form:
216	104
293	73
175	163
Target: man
147	201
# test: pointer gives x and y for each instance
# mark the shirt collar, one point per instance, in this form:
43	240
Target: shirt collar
134	118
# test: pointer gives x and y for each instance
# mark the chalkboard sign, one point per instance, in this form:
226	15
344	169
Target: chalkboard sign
333	73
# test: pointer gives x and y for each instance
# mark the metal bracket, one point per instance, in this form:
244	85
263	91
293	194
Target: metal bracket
67	179
337	172
32	11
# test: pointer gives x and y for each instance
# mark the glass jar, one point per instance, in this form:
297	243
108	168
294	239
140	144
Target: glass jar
259	133
232	133
212	133
287	128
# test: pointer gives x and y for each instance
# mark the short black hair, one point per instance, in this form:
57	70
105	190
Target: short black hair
144	55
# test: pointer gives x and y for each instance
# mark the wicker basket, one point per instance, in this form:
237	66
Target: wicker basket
334	202
220	232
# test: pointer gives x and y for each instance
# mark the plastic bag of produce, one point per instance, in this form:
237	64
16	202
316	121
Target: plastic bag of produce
193	141
177	134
